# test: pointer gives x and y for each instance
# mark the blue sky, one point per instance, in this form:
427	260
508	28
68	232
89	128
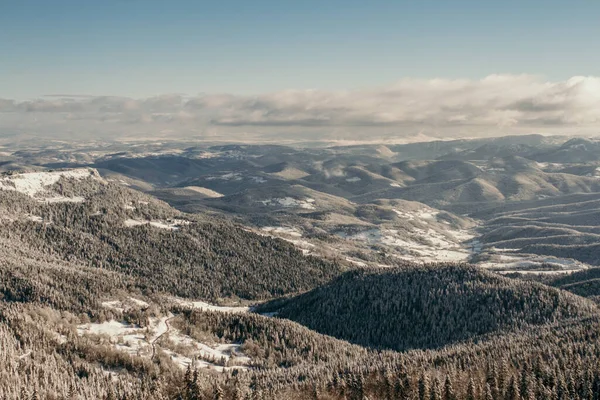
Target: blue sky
141	48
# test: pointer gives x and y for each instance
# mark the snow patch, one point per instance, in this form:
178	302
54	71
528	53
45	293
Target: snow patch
35	218
232	176
290	202
356	262
258	179
418	245
282	230
62	199
172	224
34	184
201	305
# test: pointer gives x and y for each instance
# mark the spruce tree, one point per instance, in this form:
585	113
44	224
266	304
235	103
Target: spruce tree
449	389
424	392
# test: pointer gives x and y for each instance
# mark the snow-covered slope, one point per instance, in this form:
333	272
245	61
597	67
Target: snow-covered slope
161	336
37	184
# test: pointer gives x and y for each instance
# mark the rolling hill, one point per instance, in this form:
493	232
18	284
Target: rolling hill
426	307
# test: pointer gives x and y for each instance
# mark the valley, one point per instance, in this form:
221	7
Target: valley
281	272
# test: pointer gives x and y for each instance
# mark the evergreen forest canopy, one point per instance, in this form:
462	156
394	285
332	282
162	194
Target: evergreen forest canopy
353	276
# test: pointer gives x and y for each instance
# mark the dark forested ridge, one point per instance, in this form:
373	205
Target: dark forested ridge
583	283
426	307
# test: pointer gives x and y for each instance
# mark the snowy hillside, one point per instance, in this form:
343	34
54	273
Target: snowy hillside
38	184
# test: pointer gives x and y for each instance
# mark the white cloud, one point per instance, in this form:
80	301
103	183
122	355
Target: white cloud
496	104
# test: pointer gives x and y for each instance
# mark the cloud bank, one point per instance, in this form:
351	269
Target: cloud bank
497	104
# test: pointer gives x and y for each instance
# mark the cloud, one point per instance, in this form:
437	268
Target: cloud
495	104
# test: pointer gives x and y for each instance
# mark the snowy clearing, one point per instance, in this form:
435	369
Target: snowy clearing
290	202
62	199
159	335
282	230
201	305
417	245
205	191
173	224
34	183
232	176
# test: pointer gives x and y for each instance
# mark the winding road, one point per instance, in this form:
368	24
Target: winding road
160	333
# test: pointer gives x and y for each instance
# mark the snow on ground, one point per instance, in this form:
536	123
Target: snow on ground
304	246
405	215
418	245
134	222
282	230
173	224
396	185
460	234
205	191
232	176
62	199
353	179
535	264
113	304
110	328
160	334
33	184
422	215
258	179
284	233
205	355
290	202
427	213
201	305
140	303
35	218
356	262
130	338
160	328
126	304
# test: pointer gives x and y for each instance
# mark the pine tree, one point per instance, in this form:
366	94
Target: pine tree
503	377
71	393
436	393
219	393
524	384
358	387
315	392
492	381
512	391
448	389
562	392
471	392
424	387
488	392
387	388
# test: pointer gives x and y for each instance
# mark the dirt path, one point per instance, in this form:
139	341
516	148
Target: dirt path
153	342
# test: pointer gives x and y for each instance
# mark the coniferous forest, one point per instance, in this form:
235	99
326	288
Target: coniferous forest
121	296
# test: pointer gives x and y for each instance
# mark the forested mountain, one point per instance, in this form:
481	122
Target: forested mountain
160	249
426	307
274	272
584	283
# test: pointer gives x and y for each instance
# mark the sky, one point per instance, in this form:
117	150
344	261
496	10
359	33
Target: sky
336	51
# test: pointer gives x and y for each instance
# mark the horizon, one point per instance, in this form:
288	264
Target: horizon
267	71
